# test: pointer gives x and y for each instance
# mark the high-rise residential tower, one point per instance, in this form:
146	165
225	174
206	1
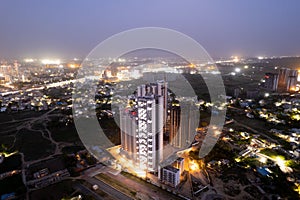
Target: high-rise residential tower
271	81
183	124
287	79
142	126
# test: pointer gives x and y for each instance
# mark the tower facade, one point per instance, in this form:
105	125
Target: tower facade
184	121
128	132
142	126
287	79
149	132
283	78
271	81
291	83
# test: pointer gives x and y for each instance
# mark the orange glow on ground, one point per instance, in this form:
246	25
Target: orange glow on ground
127	163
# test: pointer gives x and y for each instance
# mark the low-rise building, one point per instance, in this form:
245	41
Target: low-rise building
170	176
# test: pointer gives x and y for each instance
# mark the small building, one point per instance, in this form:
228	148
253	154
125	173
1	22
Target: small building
264	171
170	175
46	172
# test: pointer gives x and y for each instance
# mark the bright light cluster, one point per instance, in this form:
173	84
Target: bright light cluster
50	62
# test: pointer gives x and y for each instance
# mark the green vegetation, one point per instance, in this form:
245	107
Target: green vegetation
251	162
243	142
293	164
283	187
221	150
272	153
111	130
236	174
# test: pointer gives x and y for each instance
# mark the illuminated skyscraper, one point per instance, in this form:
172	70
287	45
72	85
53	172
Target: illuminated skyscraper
149	132
142	126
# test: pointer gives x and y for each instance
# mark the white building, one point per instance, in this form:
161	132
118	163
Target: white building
170	175
149	132
142	126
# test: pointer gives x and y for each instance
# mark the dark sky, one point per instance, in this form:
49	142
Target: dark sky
72	28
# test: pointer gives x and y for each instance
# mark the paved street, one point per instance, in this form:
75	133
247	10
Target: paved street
88	191
107	188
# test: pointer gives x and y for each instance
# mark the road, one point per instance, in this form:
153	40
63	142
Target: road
88	191
107	188
41	87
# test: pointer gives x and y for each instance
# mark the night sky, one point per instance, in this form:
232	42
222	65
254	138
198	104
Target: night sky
68	29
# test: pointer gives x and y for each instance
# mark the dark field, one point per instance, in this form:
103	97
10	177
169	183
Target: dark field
11	163
57	191
12	184
33	145
62	133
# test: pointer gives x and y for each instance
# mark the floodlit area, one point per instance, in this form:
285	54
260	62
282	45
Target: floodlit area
126	164
280	161
193	166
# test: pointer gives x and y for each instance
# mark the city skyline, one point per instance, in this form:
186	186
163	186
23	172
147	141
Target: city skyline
60	29
259	139
149	100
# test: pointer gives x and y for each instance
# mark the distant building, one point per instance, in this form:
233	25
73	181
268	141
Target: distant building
237	92
291	83
287	79
293	72
252	94
183	124
283	78
271	81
